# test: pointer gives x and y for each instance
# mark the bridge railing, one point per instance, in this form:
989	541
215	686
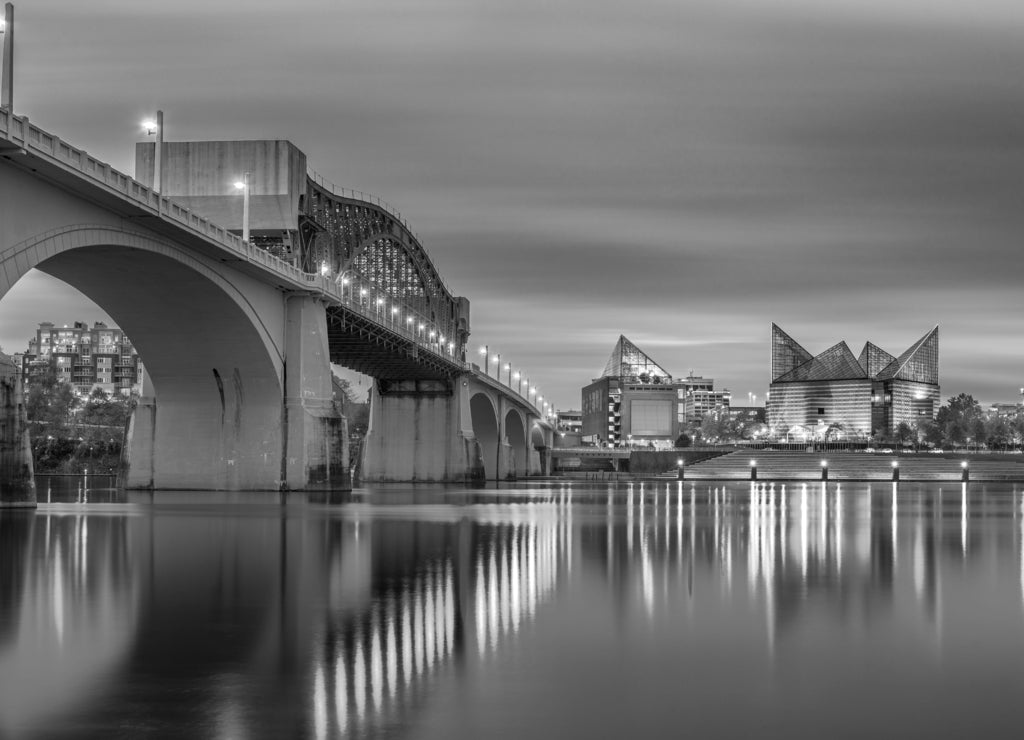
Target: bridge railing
357	293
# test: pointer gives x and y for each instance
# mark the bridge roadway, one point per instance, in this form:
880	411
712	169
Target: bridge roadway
237	343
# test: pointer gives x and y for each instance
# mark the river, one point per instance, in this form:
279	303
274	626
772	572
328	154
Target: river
539	610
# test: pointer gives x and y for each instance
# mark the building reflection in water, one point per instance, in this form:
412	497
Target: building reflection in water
465	594
839	545
68	609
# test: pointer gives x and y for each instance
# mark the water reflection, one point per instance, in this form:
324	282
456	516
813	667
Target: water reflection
462	592
251	615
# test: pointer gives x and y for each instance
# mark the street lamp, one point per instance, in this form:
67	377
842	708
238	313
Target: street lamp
243	185
486	352
7	81
157	127
508	367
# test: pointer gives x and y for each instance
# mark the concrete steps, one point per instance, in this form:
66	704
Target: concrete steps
850	466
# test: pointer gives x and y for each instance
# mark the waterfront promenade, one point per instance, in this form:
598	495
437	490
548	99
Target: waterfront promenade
842	466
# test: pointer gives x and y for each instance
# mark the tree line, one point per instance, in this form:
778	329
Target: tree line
960	422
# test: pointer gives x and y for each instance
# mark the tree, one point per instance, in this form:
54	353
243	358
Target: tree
904	434
49	405
683	440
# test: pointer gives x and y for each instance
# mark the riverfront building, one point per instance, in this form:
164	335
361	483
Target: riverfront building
637	401
870	394
84	357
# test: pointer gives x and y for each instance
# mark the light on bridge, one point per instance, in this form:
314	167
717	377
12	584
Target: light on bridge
394	310
325	269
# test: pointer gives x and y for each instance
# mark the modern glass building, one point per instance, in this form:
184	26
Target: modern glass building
637	401
869	394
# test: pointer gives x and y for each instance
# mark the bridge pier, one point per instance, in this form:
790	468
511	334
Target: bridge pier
316	439
231	428
17	484
421	431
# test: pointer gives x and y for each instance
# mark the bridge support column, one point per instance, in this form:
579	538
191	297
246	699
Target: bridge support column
421	430
316	433
17	484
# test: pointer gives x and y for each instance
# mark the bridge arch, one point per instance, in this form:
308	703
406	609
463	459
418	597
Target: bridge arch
209	344
515	435
484	415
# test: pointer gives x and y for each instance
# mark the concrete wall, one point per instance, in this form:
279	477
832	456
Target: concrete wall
201	175
17	485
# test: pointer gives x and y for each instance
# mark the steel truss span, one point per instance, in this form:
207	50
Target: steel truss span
353	237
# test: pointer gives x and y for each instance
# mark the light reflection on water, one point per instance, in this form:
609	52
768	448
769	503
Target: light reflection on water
643	609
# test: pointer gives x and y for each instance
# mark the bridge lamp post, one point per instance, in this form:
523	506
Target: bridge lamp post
519	380
508	369
243	185
497	370
394	313
157	127
7	64
419	334
380	302
486	352
362	294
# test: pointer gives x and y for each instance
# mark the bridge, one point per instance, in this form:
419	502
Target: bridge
238	336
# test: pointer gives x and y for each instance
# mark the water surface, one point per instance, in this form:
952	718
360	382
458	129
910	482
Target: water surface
541	611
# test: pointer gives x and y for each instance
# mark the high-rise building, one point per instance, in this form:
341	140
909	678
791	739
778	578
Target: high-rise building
872	393
86	358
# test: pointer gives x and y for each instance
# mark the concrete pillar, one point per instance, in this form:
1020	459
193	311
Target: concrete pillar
316	436
421	430
17	482
235	428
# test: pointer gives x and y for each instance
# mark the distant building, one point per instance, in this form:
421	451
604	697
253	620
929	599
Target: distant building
747	414
637	401
698	398
84	357
1006	410
870	394
570	421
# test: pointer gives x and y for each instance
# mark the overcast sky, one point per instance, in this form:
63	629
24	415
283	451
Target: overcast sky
681	172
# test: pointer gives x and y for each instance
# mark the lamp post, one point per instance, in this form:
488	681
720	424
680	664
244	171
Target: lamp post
508	368
157	127
486	352
243	185
7	80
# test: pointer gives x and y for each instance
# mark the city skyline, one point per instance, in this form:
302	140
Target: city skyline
681	174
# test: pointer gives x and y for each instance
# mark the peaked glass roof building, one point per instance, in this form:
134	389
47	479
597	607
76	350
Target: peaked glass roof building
838	393
629	361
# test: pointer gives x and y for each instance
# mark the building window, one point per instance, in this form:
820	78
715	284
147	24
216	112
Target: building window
821	411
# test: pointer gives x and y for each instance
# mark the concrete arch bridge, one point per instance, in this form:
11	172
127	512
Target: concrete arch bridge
238	336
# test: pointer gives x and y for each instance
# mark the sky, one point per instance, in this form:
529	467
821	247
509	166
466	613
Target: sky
681	172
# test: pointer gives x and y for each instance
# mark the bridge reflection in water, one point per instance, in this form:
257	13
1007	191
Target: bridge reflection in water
255	615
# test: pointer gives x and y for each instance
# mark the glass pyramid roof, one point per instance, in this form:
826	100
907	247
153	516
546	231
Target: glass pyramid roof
919	363
791	362
786	353
874	359
629	361
835	363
